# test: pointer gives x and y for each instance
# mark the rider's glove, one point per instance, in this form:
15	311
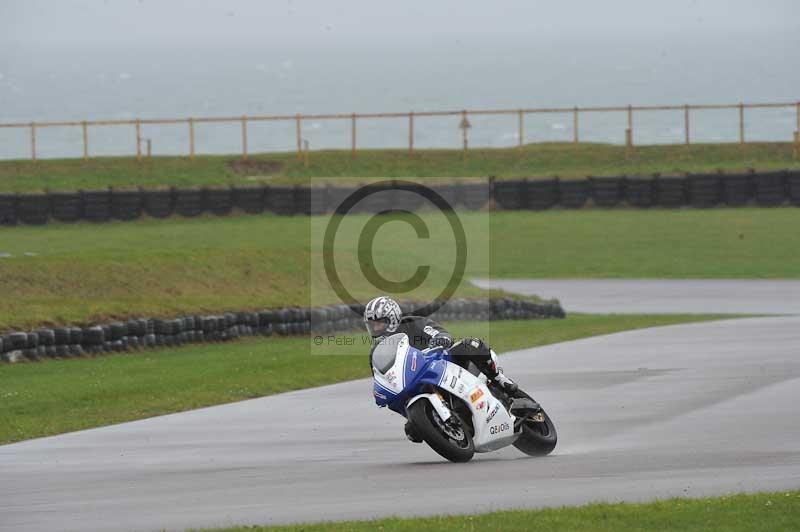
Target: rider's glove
442	339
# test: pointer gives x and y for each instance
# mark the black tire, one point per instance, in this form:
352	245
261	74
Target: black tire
424	417
538	438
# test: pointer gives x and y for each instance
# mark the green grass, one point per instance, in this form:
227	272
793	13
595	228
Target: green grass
57	396
87	273
674	244
534	160
779	511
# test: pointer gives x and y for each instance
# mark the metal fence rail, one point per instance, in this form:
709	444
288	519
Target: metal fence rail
410	117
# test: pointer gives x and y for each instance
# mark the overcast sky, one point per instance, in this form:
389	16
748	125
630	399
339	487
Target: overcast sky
299	22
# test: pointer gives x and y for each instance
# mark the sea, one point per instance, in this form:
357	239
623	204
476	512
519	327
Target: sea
78	82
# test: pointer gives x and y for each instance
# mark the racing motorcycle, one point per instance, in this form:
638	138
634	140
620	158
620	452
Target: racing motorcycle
452	408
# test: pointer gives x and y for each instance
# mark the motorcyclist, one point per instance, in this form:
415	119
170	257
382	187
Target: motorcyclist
383	317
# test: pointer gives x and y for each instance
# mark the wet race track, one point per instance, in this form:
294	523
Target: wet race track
685	410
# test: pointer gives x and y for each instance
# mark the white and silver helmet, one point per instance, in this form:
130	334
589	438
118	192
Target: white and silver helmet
382	316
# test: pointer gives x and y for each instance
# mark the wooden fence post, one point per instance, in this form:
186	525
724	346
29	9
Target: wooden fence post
741	123
686	124
191	138
244	137
796	150
138	140
575	136
797	132
298	133
85	141
33	141
353	136
464	127
411	132
629	131
797	114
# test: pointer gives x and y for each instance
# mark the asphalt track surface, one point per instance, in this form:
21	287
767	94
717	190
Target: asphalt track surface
685	410
663	296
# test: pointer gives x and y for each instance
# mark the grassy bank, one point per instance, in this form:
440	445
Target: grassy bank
86	273
535	160
59	396
732	513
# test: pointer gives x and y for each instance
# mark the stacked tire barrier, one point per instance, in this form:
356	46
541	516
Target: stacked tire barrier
146	333
763	189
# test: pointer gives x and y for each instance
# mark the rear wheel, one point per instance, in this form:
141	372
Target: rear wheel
449	438
538	436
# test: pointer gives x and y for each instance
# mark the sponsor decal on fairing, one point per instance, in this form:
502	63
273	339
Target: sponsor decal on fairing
492	413
497	429
475	395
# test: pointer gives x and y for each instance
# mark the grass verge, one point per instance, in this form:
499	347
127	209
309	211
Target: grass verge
82	273
732	513
534	160
57	396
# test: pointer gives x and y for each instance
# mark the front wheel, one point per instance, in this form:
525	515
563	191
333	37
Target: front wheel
538	436
448	438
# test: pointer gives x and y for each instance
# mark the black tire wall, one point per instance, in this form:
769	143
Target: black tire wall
139	333
764	189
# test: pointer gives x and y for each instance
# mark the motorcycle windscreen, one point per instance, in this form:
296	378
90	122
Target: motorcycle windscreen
385	352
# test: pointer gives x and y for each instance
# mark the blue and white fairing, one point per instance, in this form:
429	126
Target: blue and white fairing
400	373
408	369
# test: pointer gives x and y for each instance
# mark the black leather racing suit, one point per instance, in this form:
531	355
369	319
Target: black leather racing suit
423	332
